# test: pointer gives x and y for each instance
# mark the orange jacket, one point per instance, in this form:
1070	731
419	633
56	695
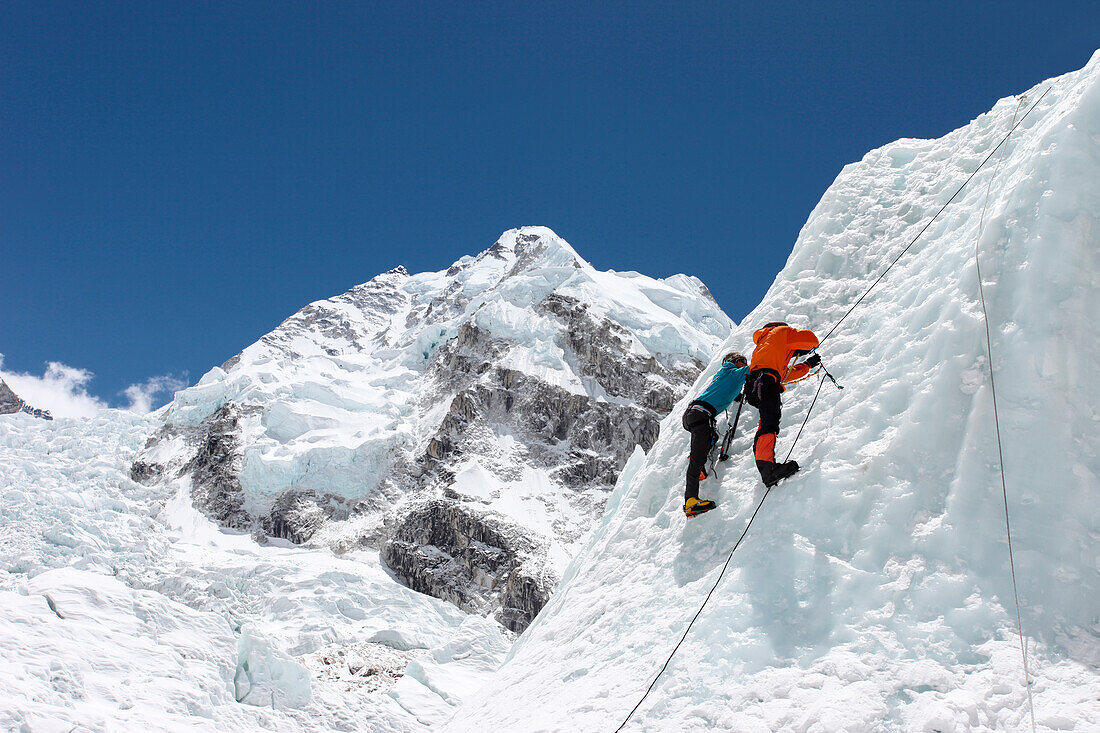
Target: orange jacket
775	347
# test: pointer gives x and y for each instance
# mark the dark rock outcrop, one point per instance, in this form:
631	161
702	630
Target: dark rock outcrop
601	434
9	401
297	515
146	472
215	470
476	559
602	347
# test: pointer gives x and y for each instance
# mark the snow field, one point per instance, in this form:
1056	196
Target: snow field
127	609
873	590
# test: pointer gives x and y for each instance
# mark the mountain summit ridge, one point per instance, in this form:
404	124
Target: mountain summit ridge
494	401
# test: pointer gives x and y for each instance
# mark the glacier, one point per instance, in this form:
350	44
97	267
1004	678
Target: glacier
126	608
873	591
144	588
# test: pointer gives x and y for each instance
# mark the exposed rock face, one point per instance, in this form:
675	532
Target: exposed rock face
296	516
9	402
469	422
215	470
602	348
577	440
478	560
145	472
599	434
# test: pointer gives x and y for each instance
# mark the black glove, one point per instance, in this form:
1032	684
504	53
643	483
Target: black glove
813	361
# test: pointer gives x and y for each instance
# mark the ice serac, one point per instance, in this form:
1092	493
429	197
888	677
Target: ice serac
126	609
469	423
873	591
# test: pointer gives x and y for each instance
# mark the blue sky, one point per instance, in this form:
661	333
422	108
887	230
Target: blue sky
177	178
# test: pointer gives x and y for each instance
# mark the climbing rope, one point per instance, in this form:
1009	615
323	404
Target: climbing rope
697	613
722	573
997	424
724	567
925	228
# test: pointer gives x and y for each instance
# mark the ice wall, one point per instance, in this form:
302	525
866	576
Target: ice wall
873	591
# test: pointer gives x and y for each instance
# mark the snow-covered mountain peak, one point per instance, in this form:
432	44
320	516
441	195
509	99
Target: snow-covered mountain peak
527	262
517	382
533	247
395	275
457	431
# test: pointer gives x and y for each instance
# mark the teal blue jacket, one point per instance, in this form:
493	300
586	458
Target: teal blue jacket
725	387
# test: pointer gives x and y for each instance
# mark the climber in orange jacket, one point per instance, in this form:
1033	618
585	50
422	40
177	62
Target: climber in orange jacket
776	345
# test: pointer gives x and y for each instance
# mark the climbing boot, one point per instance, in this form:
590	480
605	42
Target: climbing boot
778	472
697	506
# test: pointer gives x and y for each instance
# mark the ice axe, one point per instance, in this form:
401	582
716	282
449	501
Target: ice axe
724	455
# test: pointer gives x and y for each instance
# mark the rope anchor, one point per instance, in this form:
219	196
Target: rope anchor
832	379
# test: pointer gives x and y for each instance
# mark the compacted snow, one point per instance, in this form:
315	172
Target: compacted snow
873	592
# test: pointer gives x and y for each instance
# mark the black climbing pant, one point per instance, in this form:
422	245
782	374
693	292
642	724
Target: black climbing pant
762	391
699	421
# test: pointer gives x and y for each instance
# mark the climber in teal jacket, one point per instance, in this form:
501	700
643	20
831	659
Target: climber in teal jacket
699	420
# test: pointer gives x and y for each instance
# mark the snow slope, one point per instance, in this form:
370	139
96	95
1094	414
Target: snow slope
873	592
126	609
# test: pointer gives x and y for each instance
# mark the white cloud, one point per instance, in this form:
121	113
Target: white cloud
61	390
141	395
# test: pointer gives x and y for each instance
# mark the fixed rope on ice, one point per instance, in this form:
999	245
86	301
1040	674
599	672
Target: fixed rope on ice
697	613
997	421
825	374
